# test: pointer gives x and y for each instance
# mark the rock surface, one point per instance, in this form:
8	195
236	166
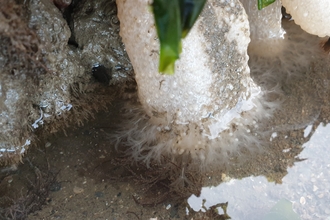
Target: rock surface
45	80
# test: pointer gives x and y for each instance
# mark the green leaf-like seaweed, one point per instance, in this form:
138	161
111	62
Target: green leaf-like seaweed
168	23
190	9
264	3
174	19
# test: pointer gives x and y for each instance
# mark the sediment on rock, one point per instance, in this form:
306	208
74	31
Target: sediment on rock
46	83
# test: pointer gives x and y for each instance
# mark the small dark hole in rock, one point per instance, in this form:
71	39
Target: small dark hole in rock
102	74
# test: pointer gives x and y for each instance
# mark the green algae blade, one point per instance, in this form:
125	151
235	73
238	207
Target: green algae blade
264	3
174	19
168	24
190	10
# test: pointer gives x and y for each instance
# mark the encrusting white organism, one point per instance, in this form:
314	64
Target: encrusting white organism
198	112
312	16
267	34
275	55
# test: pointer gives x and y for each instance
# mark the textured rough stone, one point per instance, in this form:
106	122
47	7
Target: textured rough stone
102	45
21	64
45	83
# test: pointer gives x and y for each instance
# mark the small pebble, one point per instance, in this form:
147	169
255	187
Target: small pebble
56	186
302	200
9	179
77	190
99	194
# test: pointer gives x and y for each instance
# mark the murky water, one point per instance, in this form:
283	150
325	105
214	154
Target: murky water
306	185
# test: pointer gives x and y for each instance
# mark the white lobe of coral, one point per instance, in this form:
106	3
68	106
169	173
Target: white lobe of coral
162	93
312	16
265	23
199	84
267	34
189	112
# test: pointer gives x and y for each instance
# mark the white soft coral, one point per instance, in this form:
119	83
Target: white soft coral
312	16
